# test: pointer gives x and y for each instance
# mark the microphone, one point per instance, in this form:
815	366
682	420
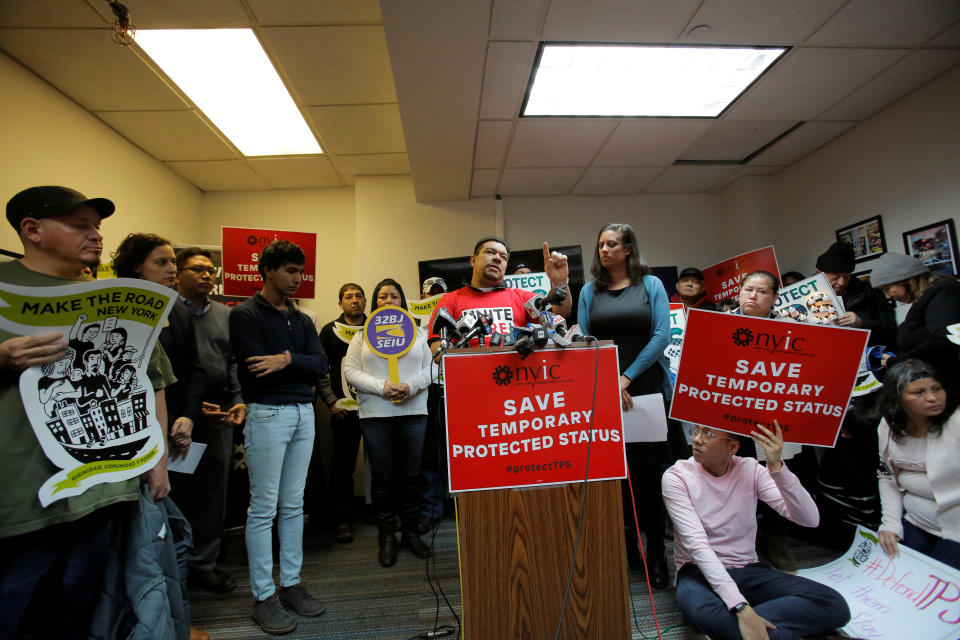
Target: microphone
476	328
556	296
443	325
530	338
486	319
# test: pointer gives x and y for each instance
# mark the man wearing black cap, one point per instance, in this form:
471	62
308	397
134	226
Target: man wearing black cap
866	307
691	292
57	552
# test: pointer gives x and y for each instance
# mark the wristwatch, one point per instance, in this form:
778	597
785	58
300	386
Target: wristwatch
737	608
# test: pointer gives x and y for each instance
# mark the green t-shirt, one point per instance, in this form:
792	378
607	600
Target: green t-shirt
23	465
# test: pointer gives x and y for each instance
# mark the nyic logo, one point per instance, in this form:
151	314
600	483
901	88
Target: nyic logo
531	375
742	337
771	342
502	375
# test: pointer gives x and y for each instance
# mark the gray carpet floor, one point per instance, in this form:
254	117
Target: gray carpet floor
367	602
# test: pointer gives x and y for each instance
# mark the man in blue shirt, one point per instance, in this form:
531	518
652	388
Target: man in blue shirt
279	359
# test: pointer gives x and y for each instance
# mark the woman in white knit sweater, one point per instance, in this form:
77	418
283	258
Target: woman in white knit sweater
393	418
920	477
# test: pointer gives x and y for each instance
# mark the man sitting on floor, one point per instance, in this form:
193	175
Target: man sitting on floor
721	587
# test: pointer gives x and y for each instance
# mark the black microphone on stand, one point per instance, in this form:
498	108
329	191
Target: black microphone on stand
443	324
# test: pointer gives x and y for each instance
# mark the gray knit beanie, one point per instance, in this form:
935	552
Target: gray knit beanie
895	267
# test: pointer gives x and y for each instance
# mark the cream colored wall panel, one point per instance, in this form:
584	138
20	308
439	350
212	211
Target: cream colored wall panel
219	175
296	173
558	142
328	12
650	142
538	181
505	78
614	181
808	81
169	135
86	65
356	129
333	65
372	165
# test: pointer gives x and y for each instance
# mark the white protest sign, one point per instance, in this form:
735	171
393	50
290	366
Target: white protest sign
533	282
812	301
910	596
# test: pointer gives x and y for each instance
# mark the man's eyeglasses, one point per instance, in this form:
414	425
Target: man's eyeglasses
706	435
199	270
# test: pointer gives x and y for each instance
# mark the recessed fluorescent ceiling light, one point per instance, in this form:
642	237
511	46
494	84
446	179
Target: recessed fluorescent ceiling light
608	80
227	74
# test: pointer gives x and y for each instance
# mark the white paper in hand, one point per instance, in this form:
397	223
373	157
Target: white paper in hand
646	422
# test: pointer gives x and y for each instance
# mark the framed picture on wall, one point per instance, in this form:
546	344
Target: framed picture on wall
935	245
866	238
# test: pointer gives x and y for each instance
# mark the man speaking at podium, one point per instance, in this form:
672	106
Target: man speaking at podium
487	294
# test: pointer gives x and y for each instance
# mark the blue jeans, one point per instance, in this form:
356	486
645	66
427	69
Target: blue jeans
278	439
946	551
798	607
394	446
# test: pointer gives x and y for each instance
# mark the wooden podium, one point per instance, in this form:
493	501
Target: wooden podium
516	546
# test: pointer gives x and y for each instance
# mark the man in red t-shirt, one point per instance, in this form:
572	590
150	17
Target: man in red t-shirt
486	292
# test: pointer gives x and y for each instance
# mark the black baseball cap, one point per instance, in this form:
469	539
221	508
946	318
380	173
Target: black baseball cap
691	272
43	202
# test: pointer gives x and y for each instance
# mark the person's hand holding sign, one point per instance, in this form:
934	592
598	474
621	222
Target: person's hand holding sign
772	444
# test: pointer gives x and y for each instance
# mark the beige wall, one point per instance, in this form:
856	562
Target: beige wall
48	139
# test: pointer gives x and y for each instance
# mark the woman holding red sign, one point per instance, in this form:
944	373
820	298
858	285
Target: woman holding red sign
393	418
626	303
919	478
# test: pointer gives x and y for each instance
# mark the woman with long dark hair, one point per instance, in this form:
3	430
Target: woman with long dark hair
919	478
627	304
393	419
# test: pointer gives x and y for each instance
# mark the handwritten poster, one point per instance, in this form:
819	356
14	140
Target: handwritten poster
93	410
910	596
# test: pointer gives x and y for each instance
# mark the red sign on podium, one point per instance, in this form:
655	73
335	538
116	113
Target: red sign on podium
515	422
736	371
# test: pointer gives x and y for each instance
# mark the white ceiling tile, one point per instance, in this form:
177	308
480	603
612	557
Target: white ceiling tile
170	135
219	175
538	182
484	183
516	19
866	23
735	139
950	37
617	20
384	164
801	142
759	22
493	136
614	181
558	142
333	65
650	142
296	173
505	78
895	82
328	12
359	129
808	81
48	14
743	172
689	179
181	14
86	65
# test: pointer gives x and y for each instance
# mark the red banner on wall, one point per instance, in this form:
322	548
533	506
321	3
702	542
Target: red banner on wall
722	280
736	371
241	253
515	422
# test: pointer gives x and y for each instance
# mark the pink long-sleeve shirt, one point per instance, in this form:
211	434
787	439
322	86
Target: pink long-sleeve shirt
714	519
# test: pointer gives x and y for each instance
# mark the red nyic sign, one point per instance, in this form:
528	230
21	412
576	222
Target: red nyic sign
736	371
518	423
241	253
722	280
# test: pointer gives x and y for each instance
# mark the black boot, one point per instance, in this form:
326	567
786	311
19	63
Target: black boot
382	499
410	518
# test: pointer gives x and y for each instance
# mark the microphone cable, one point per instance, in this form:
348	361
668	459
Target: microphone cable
586	477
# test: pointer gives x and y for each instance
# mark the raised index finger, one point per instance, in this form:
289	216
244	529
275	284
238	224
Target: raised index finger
546	252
